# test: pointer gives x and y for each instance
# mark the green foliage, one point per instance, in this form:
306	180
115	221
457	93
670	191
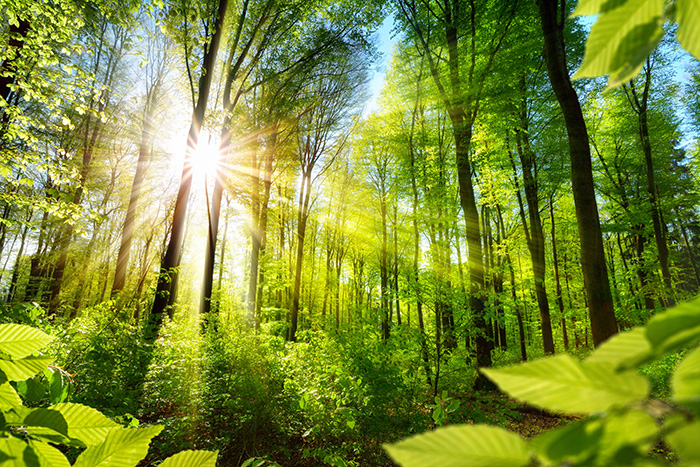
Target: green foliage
627	31
26	432
443	408
107	354
623	422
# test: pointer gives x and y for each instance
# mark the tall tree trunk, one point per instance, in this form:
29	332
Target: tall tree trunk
640	106
536	243
171	260
600	304
555	260
304	197
130	220
384	269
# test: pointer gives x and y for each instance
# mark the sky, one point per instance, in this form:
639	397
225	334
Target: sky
386	44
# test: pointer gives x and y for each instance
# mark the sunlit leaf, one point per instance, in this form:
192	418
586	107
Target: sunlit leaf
573	444
688	18
18	370
464	446
686	381
626	436
13	452
85	423
685	442
621	39
675	328
8	397
19	341
122	447
45	418
562	383
593	7
192	459
623	350
48	456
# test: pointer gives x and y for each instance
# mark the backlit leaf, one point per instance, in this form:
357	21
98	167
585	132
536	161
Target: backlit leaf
19	341
13	452
675	328
573	444
85	423
593	7
464	446
19	370
686	381
123	447
8	397
688	18
48	456
621	39
562	383
685	442
192	459
623	350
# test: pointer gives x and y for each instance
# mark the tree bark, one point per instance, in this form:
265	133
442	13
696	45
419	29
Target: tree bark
600	304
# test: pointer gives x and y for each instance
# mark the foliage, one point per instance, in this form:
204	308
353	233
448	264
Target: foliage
623	422
627	31
108	355
27	432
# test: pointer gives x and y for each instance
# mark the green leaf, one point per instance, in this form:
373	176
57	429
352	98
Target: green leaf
45	418
19	370
8	397
675	328
48	456
461	445
621	40
574	444
14	452
624	350
59	387
192	459
31	389
685	442
593	7
85	423
562	383
19	341
688	18
626	436
686	381
123	447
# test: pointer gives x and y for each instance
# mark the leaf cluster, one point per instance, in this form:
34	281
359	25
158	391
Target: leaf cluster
28	435
623	422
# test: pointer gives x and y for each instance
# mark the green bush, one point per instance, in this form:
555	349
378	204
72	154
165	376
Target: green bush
108	356
28	435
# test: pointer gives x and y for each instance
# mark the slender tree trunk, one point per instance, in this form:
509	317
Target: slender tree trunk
304	196
171	260
536	243
555	260
600	304
641	107
130	221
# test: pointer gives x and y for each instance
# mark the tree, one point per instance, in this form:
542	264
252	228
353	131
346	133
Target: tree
472	35
321	134
213	31
600	305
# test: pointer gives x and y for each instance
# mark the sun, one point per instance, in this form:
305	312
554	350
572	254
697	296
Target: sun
207	157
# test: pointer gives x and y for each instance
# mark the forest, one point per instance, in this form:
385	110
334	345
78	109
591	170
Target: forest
349	233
